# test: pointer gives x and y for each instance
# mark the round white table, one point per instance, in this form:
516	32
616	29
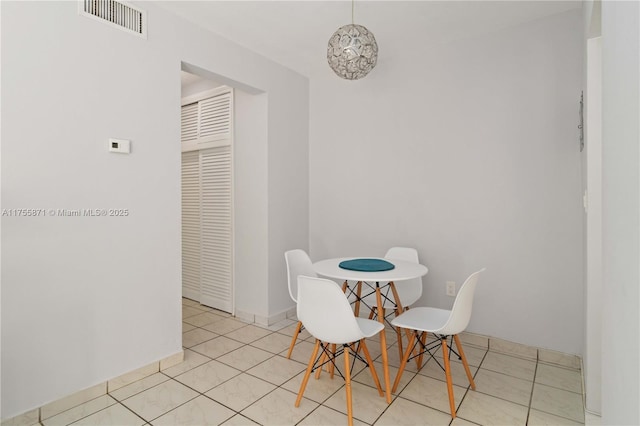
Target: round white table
402	271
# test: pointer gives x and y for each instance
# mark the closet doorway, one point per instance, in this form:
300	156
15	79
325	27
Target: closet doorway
207	192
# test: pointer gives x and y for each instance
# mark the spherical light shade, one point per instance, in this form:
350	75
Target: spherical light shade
352	52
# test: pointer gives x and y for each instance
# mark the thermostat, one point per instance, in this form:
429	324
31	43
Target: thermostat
122	146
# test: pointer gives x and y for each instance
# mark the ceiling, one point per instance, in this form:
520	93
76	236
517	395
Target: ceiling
295	33
187	79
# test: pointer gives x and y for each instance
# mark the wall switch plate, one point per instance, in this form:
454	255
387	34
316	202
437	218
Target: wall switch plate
122	146
451	288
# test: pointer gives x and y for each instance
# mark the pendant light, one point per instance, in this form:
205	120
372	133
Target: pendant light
352	51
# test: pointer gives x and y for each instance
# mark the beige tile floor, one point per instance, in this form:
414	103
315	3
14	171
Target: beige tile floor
238	374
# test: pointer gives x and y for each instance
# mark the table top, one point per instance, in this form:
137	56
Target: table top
403	270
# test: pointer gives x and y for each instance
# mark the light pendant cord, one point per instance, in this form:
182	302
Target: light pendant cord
353	2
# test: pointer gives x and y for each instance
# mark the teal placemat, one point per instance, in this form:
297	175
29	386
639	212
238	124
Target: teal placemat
367	265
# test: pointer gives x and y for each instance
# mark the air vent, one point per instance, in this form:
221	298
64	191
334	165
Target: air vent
117	14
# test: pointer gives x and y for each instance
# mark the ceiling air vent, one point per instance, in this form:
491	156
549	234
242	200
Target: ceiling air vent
117	14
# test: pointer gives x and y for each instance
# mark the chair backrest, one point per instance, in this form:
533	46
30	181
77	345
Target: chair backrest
461	311
298	263
409	291
325	311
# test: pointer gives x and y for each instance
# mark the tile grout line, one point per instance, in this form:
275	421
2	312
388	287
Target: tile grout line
179	382
513	377
469	386
183	384
315	409
241	372
197	396
127	408
533	385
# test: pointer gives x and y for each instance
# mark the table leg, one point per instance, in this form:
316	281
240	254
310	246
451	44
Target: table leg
383	346
399	310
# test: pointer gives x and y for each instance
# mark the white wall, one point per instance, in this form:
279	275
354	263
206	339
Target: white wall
198	85
592	360
251	204
592	185
87	299
467	151
621	212
288	189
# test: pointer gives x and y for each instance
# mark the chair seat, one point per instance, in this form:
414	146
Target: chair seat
426	319
369	327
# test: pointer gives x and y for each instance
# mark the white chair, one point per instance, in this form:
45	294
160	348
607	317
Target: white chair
442	323
408	291
326	313
298	263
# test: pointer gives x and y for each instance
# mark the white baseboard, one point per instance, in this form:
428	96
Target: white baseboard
592	419
266	321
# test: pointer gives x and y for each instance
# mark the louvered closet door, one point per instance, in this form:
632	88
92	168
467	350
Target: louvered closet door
215	118
191	225
189	123
216	228
207	232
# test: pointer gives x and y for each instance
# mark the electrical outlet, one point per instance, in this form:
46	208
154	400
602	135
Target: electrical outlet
451	288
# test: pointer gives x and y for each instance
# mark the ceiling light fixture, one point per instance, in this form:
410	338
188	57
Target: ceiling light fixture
352	51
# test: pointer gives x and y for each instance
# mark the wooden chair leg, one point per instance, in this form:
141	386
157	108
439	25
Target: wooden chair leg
371	312
396	298
403	364
423	340
293	340
374	375
399	335
399	309
464	362
417	351
356	311
347	378
303	385
447	372
332	366
327	367
323	357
